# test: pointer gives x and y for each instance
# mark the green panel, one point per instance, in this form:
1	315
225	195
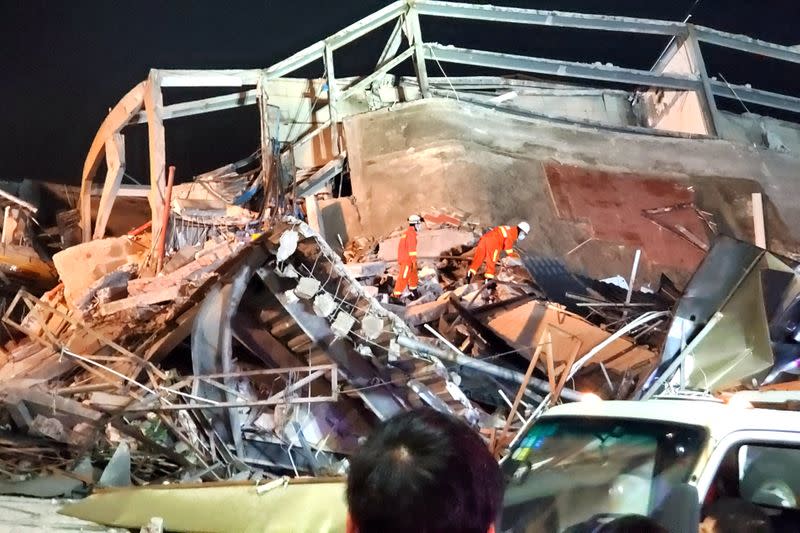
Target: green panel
738	347
317	507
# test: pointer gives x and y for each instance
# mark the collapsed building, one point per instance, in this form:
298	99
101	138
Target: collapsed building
244	330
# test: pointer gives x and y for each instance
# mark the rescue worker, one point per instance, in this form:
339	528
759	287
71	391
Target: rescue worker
407	259
501	238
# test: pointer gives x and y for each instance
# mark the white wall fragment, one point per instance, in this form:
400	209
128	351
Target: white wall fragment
288	245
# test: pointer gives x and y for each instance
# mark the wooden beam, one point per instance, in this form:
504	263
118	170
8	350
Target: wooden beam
209	78
20	202
319	179
206	105
518	398
706	95
414	34
393	44
154	105
115	161
117	118
333	99
383	69
10	224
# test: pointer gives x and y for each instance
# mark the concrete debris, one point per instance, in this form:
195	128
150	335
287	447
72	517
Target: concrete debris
366	270
430	244
79	267
307	288
416	315
372	326
343	324
324	304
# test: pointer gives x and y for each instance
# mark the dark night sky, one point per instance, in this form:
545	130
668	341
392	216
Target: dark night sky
66	62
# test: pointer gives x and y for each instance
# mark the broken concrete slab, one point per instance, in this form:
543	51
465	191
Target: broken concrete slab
366	270
140	300
82	265
206	261
430	244
111	286
341	219
417	315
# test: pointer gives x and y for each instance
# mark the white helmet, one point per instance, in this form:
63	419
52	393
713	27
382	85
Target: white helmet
524	228
414	219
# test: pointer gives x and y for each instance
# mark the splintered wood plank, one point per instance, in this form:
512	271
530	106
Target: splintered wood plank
154	108
524	326
37	365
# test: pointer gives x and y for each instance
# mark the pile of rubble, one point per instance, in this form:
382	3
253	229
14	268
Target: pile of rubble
241	345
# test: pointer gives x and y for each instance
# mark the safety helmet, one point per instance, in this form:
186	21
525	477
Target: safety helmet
414	219
524	228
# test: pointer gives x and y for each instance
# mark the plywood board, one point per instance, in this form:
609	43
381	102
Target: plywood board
532	323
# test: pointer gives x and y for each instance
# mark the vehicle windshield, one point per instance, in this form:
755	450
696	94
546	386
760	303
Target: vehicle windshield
568	470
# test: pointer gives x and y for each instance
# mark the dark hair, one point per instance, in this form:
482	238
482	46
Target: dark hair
424	472
734	515
632	524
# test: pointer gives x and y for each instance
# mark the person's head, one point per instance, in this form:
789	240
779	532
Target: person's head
734	515
415	221
523	228
423	472
632	524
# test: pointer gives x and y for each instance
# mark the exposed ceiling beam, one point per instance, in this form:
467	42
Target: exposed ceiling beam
566	69
546	18
755	96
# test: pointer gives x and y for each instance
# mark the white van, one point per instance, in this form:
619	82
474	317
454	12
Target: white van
667	458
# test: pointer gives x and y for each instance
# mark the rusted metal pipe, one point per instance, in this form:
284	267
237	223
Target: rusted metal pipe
162	237
141	229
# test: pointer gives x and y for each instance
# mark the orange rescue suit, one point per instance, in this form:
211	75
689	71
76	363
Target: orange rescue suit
407	259
489	248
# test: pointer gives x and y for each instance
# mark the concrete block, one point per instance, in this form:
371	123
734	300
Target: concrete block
366	270
324	305
81	265
340	218
307	288
431	243
372	326
343	324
